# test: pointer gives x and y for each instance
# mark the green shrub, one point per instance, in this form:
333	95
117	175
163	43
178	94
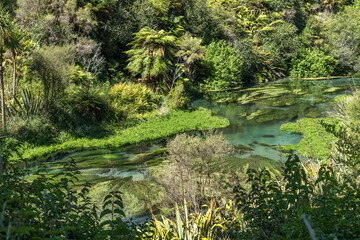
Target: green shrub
312	63
81	110
89	103
347	109
281	45
80	77
132	100
225	66
34	130
52	65
177	98
49	207
342	40
30	104
191	170
296	206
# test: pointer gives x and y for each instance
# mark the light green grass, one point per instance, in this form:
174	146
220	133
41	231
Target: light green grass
153	129
316	141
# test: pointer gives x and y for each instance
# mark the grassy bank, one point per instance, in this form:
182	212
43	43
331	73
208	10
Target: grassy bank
316	141
154	128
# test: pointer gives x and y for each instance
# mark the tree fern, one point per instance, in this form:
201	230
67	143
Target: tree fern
151	55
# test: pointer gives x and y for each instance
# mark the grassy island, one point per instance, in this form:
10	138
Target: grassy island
153	129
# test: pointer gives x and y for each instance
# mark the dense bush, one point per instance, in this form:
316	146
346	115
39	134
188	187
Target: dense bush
225	66
49	207
312	63
34	130
132	100
347	109
85	43
282	44
81	111
52	65
90	103
30	104
151	57
299	207
178	97
295	205
342	38
189	172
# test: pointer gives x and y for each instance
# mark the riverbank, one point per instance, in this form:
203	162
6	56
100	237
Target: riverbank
316	141
153	129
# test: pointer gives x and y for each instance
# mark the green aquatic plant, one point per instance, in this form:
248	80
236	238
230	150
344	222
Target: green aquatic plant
154	128
317	142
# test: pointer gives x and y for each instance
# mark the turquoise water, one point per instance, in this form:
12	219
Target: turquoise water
257	113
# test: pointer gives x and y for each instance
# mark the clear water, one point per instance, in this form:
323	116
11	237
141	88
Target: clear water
277	103
280	102
254	126
103	164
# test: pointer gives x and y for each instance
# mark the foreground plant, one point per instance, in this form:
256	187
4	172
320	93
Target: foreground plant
193	169
188	226
48	207
285	208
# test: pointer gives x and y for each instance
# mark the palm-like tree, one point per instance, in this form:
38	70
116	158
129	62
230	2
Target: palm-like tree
6	42
151	56
190	52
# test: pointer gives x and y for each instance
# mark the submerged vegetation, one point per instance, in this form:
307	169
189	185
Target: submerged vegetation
153	129
93	76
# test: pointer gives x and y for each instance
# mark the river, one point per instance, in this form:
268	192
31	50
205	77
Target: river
255	115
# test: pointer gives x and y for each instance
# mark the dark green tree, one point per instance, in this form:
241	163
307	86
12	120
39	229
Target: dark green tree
151	57
52	66
190	52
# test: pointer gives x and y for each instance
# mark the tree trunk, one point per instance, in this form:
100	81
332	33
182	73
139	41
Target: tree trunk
3	123
14	76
